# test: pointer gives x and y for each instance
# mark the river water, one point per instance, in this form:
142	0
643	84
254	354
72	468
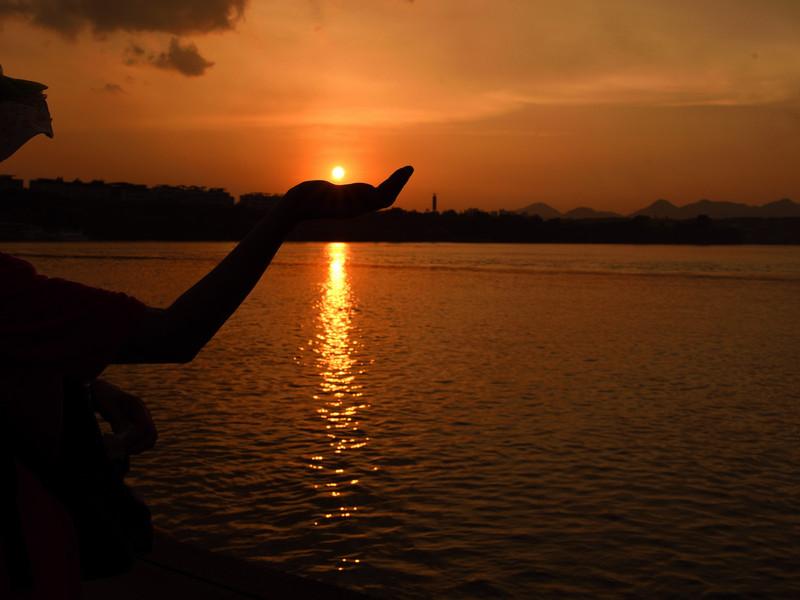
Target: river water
473	421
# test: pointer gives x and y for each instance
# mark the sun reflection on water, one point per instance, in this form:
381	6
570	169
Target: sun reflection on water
340	400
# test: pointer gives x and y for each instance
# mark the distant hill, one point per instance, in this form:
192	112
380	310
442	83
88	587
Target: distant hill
545	211
660	209
584	212
717	210
663	209
780	208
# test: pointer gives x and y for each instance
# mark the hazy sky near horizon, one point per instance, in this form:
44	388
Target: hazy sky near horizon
497	103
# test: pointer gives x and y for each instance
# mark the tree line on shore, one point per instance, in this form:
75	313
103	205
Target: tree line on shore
23	216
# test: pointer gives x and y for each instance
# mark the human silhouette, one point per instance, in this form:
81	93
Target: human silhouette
64	509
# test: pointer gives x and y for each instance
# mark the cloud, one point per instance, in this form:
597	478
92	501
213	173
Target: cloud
184	58
134	54
113	88
177	17
102	16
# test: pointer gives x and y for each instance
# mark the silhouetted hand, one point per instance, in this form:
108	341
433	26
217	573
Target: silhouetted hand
133	427
322	199
178	333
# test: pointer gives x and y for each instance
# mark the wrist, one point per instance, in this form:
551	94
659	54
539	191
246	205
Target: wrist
286	213
270	230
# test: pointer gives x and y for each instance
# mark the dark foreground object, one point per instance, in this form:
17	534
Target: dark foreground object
176	570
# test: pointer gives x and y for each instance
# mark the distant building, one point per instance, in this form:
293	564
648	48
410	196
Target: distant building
56	187
433	203
9	183
132	193
73	190
192	195
93	190
258	201
219	197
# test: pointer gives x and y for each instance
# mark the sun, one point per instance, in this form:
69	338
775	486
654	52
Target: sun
338	172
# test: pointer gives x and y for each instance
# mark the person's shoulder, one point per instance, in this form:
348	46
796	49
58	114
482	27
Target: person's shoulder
12	265
16	276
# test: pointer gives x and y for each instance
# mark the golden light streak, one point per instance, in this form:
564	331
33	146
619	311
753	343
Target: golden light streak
339	401
339	396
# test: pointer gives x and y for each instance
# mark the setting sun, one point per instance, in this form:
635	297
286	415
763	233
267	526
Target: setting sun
338	173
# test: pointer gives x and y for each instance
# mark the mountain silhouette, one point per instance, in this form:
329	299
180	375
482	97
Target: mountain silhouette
584	212
780	208
660	209
717	209
664	209
545	211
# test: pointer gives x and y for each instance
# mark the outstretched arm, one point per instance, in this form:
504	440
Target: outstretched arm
178	333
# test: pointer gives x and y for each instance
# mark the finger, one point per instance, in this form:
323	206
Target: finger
391	188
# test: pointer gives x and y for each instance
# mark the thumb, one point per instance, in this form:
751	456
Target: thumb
391	188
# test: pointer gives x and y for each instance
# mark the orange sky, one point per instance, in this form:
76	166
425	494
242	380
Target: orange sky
497	103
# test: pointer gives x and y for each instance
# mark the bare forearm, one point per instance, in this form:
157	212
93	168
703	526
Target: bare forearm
201	311
178	333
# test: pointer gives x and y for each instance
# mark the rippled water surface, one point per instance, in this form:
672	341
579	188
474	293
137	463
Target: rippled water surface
482	421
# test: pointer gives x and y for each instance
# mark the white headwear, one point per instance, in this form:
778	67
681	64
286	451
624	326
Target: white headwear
23	113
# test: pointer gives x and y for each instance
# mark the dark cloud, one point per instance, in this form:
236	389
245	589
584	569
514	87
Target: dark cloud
134	54
105	16
113	88
184	58
178	17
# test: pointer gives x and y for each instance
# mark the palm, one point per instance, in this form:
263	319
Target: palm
322	199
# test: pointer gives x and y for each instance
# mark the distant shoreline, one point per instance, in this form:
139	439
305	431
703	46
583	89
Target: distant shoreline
26	216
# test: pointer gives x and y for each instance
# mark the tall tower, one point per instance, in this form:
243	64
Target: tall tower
433	203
